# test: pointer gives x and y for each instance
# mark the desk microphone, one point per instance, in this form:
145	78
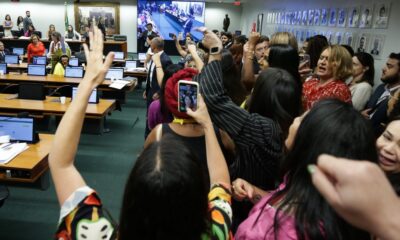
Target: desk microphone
56	90
8	86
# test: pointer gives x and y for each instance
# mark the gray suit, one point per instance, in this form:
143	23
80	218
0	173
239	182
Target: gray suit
27	22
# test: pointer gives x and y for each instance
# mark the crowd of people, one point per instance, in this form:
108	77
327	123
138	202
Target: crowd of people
264	155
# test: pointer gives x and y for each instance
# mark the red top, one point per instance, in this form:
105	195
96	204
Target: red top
313	91
35	50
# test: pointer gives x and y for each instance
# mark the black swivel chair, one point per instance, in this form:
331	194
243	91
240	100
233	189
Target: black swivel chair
4	193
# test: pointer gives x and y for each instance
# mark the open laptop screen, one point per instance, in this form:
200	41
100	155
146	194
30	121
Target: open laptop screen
18	51
73	62
74	72
130	64
3	67
115	73
119	55
11	59
142	56
19	129
36	70
94	98
41	60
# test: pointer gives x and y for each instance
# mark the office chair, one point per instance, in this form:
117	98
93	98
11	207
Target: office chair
4	193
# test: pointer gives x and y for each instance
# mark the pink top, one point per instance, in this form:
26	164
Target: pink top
251	229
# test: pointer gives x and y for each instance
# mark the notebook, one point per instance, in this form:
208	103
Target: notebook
36	70
115	73
11	59
74	72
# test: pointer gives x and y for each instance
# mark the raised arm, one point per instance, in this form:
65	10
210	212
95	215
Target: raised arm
248	78
65	176
216	163
193	51
158	65
181	52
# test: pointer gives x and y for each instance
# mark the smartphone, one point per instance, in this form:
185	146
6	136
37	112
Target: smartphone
305	58
187	95
253	27
171	35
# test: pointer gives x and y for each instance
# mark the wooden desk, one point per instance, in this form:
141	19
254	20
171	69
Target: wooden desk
52	81
138	74
31	164
52	106
109	45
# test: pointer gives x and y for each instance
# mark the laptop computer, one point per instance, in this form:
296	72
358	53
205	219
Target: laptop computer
115	73
11	59
130	64
37	70
41	60
94	96
73	62
142	56
18	51
19	129
3	67
74	72
119	56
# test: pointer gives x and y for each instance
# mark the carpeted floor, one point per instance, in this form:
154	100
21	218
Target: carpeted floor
103	160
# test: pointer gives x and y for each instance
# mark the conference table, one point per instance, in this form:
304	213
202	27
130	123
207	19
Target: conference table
30	166
109	45
51	106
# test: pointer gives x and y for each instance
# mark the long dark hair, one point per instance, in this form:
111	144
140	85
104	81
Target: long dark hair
286	57
232	78
315	47
169	71
276	95
165	195
367	61
331	127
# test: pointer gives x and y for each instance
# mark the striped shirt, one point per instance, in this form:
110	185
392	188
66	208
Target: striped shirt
258	139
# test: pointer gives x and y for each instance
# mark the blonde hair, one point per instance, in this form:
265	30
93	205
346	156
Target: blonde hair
284	38
341	61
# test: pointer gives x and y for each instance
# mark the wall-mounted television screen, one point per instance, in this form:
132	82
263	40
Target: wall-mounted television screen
167	17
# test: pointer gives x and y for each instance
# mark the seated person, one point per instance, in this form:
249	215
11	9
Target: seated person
31	30
35	48
3	52
72	34
59	69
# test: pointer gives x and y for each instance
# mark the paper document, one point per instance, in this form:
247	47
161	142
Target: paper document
118	84
8	151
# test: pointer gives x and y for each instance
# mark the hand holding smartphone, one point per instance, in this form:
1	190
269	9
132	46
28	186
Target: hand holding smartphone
187	95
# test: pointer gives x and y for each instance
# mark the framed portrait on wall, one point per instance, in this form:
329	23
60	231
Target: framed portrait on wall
332	17
348	39
381	15
354	17
101	14
362	42
310	17
342	14
366	16
338	38
304	18
317	14
377	43
324	17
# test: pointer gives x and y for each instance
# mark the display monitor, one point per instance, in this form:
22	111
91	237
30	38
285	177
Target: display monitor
73	62
94	98
19	129
74	72
142	56
18	51
36	70
41	60
3	68
11	59
171	17
130	64
115	73
119	56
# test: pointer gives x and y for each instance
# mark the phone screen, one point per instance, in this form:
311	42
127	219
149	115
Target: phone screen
187	96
